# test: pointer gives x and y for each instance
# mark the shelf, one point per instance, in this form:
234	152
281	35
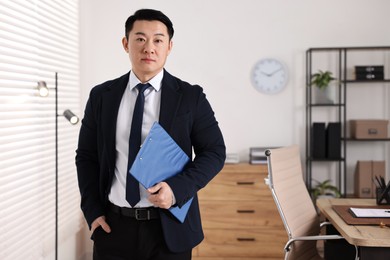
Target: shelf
366	140
337	112
326	160
358	48
366	81
326	105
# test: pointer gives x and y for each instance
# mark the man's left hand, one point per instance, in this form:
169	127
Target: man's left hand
161	195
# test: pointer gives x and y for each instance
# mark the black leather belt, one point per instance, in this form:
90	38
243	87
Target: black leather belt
137	213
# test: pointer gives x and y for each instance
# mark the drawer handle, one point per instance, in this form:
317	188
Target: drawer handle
245	183
251	211
246	239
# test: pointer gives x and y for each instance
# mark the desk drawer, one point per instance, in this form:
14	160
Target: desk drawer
237	186
240	214
259	242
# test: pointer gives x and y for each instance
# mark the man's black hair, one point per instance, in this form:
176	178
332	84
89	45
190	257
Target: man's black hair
149	15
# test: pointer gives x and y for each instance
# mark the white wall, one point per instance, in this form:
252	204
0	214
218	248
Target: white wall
217	42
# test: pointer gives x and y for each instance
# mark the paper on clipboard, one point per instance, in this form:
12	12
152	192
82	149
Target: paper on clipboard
159	159
370	213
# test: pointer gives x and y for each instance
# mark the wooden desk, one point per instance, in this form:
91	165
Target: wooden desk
373	241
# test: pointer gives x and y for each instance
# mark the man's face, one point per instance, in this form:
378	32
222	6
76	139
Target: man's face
148	46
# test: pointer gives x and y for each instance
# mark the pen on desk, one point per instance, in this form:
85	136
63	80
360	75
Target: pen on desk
375	181
383	181
379	185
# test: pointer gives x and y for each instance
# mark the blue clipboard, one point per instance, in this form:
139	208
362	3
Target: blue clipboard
159	159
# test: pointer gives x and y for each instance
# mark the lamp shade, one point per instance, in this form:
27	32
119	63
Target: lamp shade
71	117
43	89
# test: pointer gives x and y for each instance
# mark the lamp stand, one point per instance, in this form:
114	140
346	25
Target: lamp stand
73	119
56	166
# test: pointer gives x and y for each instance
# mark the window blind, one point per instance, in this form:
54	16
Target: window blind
37	39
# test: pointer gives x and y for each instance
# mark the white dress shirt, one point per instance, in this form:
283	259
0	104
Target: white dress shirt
125	114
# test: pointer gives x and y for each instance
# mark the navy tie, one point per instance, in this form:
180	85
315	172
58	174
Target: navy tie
132	186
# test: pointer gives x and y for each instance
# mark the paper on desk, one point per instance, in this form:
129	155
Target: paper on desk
370	213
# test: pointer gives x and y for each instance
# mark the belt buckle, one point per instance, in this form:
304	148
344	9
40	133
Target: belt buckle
139	215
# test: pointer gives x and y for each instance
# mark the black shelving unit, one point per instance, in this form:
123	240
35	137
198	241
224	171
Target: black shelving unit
339	107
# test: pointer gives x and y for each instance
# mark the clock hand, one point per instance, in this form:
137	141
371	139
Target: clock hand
262	72
275	71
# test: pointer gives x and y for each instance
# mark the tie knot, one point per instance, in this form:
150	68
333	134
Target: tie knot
142	87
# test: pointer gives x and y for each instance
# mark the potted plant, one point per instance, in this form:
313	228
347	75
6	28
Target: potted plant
321	80
324	188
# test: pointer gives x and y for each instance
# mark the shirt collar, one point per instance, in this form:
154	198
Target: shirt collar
155	82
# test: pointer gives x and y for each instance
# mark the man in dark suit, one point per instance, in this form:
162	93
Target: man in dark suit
145	228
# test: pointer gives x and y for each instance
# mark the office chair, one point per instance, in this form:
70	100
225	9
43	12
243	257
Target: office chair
295	206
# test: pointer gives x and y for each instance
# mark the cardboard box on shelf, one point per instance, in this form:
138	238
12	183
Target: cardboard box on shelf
365	173
369	129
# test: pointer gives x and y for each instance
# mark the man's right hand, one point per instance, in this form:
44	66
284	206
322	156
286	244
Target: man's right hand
100	221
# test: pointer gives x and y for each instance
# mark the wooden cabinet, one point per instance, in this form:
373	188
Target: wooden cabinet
240	219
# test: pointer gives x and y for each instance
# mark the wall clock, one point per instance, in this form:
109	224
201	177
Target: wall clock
269	76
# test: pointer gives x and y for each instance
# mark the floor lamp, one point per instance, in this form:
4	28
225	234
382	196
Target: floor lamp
73	119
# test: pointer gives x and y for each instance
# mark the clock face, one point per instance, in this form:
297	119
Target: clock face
269	76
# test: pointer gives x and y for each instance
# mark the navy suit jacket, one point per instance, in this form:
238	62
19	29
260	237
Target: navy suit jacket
187	116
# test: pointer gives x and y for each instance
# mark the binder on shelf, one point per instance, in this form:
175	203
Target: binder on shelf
159	159
370	76
369	69
318	141
333	140
370	72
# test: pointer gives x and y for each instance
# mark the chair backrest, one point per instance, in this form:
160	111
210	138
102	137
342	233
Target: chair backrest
292	198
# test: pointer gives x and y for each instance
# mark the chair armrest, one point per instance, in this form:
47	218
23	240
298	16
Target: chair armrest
320	237
325	223
310	238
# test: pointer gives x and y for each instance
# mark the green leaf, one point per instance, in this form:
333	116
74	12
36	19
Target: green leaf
321	79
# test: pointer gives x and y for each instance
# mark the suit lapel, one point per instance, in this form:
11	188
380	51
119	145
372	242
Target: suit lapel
170	100
111	100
